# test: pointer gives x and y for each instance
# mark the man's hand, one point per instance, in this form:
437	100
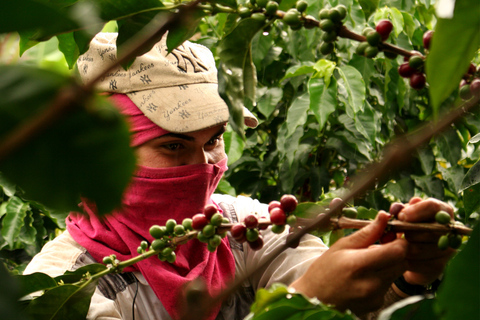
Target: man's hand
353	274
425	261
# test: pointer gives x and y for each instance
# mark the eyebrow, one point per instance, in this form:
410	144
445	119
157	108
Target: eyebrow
190	138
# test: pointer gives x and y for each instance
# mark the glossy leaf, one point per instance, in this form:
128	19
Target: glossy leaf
78	164
322	99
459	293
34	282
297	113
354	89
472	177
14	220
450	54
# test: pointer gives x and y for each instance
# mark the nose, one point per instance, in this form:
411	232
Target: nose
201	156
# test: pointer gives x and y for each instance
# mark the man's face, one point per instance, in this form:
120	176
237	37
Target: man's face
173	149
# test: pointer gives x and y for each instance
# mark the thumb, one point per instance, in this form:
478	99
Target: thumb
366	236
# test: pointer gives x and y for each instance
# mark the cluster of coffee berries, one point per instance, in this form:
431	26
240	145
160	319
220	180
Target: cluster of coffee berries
413	69
206	224
260	10
342	210
470	84
295	18
450	239
281	212
248	231
110	260
374	38
163	236
331	22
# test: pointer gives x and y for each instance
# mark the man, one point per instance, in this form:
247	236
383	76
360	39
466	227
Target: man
177	120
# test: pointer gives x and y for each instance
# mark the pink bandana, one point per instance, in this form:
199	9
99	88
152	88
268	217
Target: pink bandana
154	196
141	128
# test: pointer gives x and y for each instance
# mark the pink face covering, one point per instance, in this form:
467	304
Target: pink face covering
154	196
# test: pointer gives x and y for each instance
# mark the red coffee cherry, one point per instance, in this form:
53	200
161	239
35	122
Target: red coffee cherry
387	237
210	210
251	221
417	81
257	244
405	71
238	232
475	87
199	221
278	216
274	204
289	202
384	27
395	208
427	38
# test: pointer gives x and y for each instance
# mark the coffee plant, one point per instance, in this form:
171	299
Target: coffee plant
333	83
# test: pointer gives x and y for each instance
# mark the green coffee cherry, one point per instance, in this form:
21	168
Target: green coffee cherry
329	36
374	38
216	219
323	14
343	11
258	16
349	213
107	260
157	232
390	55
278	228
442	217
416	62
215	241
335	15
327	25
326	48
140	250
158	244
170	225
443	242
371	52
202	238
179	230
244	12
292	17
167	251
366	31
252	235
301	5
361	48
454	241
187	224
172	257
271	7
208	230
291	220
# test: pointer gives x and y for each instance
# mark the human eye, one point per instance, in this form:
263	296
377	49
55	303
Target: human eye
215	140
172	146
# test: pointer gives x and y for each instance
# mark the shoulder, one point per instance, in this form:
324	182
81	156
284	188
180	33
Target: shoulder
242	205
57	256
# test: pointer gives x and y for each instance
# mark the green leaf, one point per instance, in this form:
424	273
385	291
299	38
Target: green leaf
267	103
475	138
299	70
323	99
472	177
297	113
427	159
459	293
28	232
62	302
14	220
28	15
432	186
184	29
34	282
420	310
88	152
450	146
8	188
9	295
69	48
234	146
452	48
235	53
368	7
354	88
471	199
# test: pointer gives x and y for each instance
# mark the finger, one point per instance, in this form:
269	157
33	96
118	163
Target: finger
365	236
415	200
390	255
424	211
